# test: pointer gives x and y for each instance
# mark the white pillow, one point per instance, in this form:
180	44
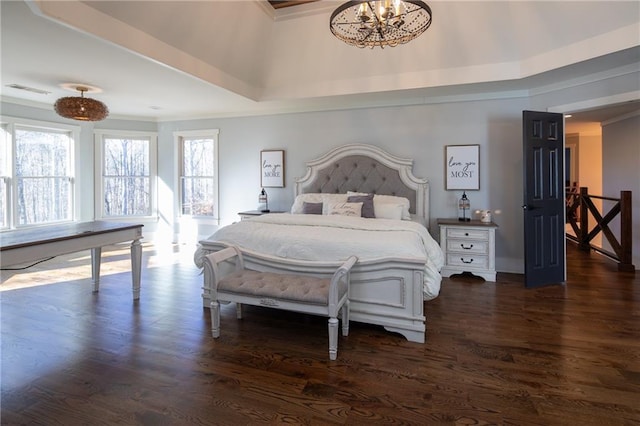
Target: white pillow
378	200
345	209
314	197
389	211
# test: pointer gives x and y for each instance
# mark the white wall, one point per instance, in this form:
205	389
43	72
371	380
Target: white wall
621	169
590	176
418	132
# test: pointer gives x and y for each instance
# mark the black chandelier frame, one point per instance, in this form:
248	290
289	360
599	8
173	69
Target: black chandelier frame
402	28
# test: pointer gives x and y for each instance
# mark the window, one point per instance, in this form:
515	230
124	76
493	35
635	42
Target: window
127	174
37	173
198	171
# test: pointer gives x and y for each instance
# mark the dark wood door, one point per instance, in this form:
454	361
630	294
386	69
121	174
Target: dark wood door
544	206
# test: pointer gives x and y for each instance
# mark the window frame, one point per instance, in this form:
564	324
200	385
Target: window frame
99	138
6	179
9	125
179	138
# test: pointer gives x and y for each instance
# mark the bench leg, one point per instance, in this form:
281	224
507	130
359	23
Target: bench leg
345	318
215	318
333	338
239	310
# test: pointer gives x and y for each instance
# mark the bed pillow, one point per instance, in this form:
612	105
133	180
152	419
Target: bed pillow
388	199
316	197
311	208
389	211
367	204
345	209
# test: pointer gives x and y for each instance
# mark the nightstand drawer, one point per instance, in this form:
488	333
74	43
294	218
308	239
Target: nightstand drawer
468	233
467	261
468	246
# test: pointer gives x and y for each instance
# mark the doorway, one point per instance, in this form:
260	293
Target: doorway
595	162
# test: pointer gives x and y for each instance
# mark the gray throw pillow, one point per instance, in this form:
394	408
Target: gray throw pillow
311	208
367	204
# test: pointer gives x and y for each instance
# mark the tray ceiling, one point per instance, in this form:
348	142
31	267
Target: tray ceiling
206	59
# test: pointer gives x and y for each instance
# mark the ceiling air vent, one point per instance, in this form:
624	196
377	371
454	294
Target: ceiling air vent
28	89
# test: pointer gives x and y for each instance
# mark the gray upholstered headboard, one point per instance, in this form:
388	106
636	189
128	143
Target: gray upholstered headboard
366	168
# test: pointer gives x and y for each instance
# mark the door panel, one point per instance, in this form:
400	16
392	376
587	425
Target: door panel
544	235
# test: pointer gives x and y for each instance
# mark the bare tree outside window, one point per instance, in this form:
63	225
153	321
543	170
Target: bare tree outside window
126	177
198	180
43	176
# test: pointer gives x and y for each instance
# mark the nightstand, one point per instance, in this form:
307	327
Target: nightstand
468	247
253	213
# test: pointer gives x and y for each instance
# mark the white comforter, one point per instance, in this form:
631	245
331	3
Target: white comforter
315	237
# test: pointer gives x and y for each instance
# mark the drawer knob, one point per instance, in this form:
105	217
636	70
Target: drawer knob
466	261
466	234
467	248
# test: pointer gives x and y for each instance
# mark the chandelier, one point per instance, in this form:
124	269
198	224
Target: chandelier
81	108
380	22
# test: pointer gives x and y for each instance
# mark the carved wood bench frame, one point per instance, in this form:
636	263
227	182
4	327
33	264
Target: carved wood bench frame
287	291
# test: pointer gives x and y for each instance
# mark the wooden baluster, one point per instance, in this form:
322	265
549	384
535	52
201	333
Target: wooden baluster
583	238
626	240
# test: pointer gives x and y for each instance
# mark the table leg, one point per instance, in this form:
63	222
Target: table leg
136	267
96	253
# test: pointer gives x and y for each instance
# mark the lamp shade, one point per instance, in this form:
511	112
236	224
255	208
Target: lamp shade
464	207
263	202
81	108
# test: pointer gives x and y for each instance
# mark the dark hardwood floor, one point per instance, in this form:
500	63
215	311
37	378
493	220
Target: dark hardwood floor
495	353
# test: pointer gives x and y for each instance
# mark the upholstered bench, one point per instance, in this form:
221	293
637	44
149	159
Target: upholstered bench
289	291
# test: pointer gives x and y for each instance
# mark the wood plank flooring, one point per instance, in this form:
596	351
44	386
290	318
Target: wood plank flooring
495	353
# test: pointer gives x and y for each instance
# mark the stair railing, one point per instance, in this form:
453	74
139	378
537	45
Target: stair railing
580	204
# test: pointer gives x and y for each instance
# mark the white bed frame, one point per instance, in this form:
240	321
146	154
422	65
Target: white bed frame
387	293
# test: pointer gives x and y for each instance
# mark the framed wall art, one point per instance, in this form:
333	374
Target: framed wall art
272	168
462	167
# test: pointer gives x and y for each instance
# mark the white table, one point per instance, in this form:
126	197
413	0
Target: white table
33	244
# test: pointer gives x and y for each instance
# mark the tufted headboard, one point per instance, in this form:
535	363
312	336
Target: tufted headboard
366	168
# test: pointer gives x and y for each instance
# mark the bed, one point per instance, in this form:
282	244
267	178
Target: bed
398	261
